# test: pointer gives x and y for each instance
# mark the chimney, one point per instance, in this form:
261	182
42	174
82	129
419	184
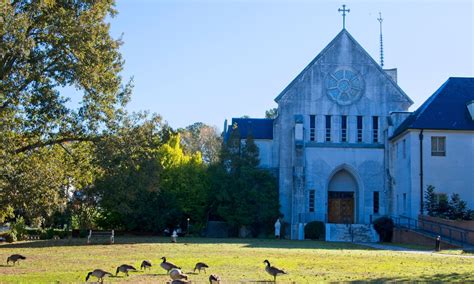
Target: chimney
392	73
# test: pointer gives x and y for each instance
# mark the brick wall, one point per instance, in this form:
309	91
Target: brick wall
404	236
463	225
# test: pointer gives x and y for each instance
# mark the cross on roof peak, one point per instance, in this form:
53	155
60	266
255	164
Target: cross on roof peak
344	10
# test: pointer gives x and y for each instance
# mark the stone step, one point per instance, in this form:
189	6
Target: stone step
351	233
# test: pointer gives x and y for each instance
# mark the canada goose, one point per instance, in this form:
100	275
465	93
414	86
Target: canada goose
167	265
176	274
99	273
272	270
124	268
145	264
214	279
199	266
14	258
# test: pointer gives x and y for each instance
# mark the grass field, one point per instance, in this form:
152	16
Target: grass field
235	260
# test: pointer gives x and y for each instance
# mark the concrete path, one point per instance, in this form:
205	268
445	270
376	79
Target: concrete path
408	250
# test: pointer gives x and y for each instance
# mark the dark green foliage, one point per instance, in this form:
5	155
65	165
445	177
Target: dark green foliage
271	113
18	228
442	207
430	201
46	47
315	230
9	237
242	194
83	233
384	227
438	205
458	208
149	183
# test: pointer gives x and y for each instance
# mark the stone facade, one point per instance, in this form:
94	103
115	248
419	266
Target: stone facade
342	83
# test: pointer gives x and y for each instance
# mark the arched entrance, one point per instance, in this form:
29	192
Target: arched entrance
341	198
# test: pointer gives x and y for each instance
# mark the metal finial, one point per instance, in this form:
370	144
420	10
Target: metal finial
381	39
343	10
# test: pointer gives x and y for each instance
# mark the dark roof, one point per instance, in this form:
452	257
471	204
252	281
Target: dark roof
260	128
446	109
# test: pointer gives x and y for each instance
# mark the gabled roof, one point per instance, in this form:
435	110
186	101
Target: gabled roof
446	109
260	128
325	50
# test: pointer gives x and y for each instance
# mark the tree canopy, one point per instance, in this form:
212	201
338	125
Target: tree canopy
45	47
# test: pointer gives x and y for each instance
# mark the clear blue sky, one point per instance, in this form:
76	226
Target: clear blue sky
209	60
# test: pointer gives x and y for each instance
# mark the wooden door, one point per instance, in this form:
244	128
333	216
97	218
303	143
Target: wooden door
341	207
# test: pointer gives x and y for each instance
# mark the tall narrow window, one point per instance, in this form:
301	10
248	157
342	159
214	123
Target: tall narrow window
311	201
344	128
404	143
404	203
328	128
375	127
312	127
438	146
376	202
359	128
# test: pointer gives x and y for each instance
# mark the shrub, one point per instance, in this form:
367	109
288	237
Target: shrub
315	230
19	228
62	233
384	227
83	233
10	237
33	232
438	205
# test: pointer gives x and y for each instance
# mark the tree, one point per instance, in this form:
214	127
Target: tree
457	208
202	138
243	194
271	113
430	200
46	46
51	44
148	182
128	188
184	181
438	205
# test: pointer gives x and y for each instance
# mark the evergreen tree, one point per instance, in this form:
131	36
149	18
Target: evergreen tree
442	209
457	208
250	153
245	195
431	203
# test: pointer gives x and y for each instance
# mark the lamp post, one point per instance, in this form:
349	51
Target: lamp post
187	229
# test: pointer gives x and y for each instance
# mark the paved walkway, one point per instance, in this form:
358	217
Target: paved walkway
408	250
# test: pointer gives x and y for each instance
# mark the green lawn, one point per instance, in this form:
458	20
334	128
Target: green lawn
235	260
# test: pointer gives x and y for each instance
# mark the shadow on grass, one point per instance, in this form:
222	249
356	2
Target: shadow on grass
448	277
248	243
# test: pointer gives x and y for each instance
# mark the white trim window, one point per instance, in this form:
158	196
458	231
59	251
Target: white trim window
438	146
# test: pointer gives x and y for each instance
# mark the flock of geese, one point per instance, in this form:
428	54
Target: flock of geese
177	277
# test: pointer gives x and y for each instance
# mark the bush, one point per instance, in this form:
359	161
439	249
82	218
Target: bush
19	228
315	230
83	233
384	227
438	205
34	232
10	237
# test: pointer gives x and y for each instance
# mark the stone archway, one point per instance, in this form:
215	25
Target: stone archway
342	191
